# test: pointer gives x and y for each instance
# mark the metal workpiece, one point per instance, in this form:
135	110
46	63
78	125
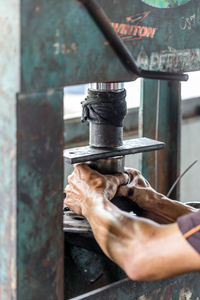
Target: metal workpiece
75	223
110	165
106	86
105	136
87	153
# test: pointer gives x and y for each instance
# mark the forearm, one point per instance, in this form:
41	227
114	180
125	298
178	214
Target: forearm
144	249
164	210
153	204
117	233
138	245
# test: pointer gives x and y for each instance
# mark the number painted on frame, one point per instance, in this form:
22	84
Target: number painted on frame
187	23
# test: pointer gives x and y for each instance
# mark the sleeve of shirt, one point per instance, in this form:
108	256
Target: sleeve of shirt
190	227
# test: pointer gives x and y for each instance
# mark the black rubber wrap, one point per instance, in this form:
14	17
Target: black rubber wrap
107	107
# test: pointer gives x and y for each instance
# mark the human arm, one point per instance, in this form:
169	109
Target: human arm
143	248
154	205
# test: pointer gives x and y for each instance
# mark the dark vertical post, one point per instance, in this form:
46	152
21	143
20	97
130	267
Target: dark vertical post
169	128
40	196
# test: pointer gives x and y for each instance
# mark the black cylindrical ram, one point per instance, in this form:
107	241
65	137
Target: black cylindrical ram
105	111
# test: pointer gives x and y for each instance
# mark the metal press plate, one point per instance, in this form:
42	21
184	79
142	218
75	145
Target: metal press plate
87	153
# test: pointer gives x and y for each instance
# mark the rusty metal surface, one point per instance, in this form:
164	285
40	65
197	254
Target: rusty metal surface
179	288
63	43
66	44
168	131
40	199
103	22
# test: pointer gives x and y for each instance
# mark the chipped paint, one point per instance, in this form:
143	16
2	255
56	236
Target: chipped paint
169	59
40	198
74	44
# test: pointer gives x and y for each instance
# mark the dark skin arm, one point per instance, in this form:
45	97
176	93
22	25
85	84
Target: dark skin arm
155	206
137	245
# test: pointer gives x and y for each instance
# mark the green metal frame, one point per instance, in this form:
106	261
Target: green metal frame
61	45
182	287
40	245
60	35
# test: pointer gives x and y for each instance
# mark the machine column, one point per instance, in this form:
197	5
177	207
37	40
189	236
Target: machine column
39	235
169	131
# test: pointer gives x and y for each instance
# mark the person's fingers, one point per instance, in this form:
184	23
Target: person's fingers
132	171
122	178
83	170
67	188
72	200
123	191
74	182
119	178
141	182
66	202
70	178
70	188
74	206
80	171
136	179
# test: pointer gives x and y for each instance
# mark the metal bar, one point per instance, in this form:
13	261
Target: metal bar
120	48
169	132
40	243
83	154
176	288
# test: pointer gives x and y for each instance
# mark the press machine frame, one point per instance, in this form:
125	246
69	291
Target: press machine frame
31	153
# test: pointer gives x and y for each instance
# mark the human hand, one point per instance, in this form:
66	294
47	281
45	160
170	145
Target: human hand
87	188
138	189
154	205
